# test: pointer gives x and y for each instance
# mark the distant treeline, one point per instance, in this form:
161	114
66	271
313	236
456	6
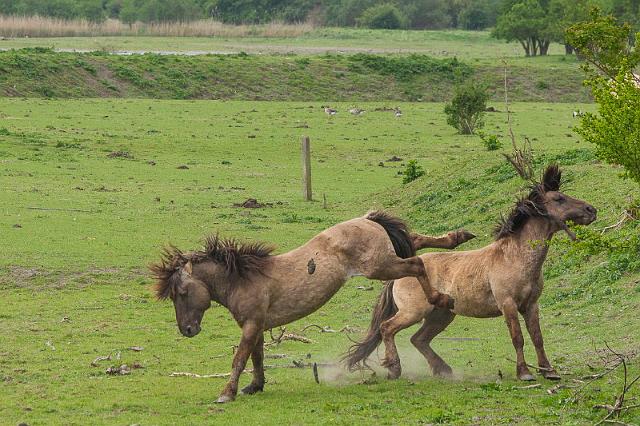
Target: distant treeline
414	14
417	14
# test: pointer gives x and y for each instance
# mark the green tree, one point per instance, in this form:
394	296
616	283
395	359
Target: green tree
609	64
385	16
466	110
563	14
527	22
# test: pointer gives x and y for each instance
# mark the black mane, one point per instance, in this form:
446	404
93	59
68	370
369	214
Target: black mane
530	206
238	259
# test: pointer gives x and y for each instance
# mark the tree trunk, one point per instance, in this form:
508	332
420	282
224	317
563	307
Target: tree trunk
568	49
544	47
534	47
525	46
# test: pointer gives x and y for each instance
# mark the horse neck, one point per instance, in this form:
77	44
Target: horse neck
217	283
530	244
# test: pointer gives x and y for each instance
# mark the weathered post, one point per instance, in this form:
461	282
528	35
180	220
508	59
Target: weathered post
306	168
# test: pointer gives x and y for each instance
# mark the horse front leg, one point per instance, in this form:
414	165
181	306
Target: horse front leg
510	312
251	331
532	320
450	240
257	358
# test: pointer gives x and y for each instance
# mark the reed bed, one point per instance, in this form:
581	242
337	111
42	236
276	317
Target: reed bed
39	26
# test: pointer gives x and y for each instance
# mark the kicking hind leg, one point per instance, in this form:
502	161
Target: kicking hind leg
434	323
389	329
395	267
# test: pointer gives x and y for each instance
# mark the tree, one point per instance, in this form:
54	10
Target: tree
466	109
527	22
384	16
609	64
563	14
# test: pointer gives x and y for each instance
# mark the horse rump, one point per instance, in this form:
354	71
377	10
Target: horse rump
397	231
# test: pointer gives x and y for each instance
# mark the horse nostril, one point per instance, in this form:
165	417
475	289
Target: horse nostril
188	329
591	209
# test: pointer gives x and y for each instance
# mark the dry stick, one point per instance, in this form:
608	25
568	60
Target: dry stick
625	216
61	210
618	406
549	369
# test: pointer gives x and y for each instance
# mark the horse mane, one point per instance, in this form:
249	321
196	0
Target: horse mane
238	259
530	206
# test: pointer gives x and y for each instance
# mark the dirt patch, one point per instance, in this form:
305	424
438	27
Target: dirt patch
119	154
252	203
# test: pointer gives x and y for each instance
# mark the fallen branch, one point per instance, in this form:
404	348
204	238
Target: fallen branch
548	369
625	217
60	210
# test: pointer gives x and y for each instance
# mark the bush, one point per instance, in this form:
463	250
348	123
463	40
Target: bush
383	16
610	63
491	142
466	109
412	172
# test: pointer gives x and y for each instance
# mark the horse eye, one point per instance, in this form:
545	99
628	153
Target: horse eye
559	198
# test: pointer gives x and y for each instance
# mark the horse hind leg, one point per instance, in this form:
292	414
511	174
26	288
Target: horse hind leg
434	323
389	329
395	268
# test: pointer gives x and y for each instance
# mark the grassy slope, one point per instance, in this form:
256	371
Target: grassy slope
41	73
88	265
464	44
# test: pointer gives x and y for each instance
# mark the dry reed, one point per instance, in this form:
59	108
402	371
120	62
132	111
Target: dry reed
38	26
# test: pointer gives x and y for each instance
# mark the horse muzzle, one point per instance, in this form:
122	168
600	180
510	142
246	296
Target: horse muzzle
190	330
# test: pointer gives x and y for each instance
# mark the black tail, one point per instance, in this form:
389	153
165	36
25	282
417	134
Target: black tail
397	231
384	310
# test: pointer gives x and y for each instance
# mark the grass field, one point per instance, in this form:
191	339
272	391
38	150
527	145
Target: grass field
38	72
92	189
463	44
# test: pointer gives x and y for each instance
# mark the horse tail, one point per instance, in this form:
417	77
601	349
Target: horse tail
397	231
385	309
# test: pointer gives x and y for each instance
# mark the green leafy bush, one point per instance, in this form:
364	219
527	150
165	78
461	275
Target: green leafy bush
405	67
610	64
412	171
466	109
382	16
491	142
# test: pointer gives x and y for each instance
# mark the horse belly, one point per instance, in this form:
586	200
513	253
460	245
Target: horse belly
475	301
298	300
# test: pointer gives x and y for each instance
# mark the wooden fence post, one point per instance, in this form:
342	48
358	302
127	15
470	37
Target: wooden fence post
306	168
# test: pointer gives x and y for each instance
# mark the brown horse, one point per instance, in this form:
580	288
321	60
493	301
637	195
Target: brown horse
503	278
263	291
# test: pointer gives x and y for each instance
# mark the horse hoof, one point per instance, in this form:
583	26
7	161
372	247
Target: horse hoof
443	372
551	375
526	377
450	303
224	399
251	389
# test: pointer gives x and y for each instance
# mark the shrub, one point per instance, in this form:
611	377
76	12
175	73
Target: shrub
382	16
491	142
412	172
466	109
610	63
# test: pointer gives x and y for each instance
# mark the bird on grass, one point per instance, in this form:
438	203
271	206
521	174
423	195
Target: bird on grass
330	111
397	112
356	111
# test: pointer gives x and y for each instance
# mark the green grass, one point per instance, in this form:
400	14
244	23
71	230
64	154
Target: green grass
39	72
464	44
90	222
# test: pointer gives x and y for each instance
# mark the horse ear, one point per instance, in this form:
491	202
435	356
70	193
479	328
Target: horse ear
188	268
551	179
